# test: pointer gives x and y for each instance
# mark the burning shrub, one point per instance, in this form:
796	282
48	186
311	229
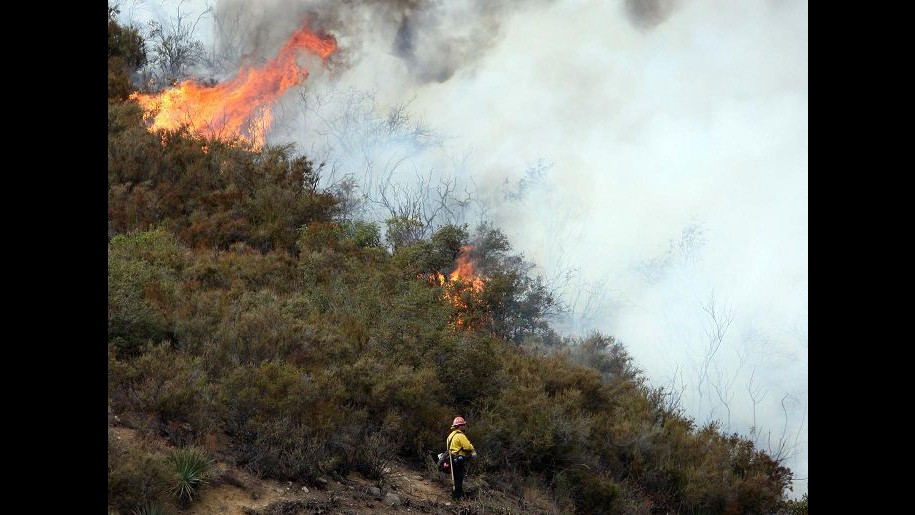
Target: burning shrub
240	109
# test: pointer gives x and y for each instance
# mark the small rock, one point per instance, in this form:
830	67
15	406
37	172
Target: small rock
375	492
305	489
391	499
321	480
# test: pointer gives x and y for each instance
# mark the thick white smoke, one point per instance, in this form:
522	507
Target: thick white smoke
651	155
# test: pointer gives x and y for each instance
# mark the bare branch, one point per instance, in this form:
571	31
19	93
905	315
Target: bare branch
753	395
718	324
174	48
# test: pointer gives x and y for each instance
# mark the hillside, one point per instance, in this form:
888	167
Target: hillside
269	351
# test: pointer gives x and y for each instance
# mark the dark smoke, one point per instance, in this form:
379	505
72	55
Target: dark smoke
434	39
438	70
647	14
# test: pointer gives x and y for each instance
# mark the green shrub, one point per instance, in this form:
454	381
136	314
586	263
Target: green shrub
360	234
261	329
171	385
407	398
126	53
305	449
469	366
284	449
142	289
137	474
257	393
287	421
318	236
590	492
403	231
606	355
792	507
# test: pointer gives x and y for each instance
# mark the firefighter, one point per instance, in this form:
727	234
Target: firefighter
461	451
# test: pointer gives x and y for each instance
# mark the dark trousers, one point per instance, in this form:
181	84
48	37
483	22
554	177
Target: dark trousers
460	472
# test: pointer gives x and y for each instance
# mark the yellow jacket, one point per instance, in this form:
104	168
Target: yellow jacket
460	445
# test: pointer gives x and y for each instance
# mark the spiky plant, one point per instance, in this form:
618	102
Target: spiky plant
150	509
192	466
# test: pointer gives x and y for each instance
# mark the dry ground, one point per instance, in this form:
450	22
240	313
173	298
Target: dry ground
233	491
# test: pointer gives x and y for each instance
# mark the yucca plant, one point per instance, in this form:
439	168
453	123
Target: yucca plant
150	509
192	466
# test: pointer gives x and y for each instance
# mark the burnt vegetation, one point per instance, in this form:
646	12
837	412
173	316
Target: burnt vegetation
245	307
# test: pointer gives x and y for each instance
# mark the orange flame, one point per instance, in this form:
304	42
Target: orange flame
464	271
241	107
461	283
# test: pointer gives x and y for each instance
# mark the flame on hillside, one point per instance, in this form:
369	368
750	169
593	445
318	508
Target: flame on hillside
461	285
241	107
